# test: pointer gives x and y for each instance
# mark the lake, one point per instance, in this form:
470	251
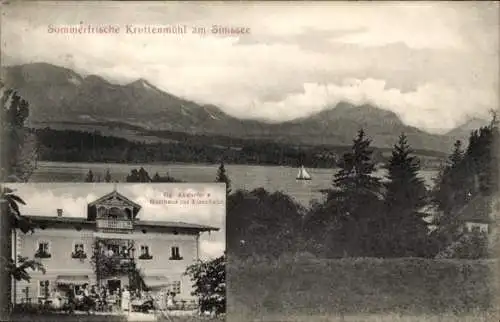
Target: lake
271	178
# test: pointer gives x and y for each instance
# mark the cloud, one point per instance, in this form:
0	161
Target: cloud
45	198
432	107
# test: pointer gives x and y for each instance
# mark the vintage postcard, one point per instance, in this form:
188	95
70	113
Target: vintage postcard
357	143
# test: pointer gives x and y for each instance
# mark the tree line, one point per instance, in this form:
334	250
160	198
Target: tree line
80	146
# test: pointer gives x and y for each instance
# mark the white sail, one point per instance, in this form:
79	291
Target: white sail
303	175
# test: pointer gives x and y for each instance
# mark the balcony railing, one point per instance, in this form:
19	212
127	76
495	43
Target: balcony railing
109	265
114	224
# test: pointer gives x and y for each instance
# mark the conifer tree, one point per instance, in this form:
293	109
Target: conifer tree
449	195
18	147
405	231
355	180
483	157
457	155
474	175
143	175
354	201
133	176
89	177
107	176
223	177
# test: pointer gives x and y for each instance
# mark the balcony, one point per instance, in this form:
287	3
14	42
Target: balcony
114	224
116	264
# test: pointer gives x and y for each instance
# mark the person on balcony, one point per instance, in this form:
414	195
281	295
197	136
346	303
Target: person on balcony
110	253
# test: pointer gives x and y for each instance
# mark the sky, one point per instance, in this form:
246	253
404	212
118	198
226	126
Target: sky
43	199
435	64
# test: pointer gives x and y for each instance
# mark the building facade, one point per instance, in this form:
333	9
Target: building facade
479	215
111	247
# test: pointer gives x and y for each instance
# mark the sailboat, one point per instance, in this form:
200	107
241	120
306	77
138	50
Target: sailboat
303	175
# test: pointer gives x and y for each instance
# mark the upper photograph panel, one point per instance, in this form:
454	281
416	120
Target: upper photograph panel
116	86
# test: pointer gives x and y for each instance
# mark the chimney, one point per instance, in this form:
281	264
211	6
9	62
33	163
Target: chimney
59	212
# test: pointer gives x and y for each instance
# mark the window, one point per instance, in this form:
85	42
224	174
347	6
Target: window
101	212
78	250
175	253
43	289
116	213
176	287
115	249
43	250
128	212
43	247
145	252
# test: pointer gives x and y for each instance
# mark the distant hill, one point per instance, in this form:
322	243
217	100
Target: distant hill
60	94
463	131
62	97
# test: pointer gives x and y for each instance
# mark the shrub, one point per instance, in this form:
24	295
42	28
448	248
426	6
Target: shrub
209	281
470	246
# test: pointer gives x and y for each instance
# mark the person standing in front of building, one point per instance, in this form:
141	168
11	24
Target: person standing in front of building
87	300
125	299
170	301
56	299
161	300
71	298
112	300
103	299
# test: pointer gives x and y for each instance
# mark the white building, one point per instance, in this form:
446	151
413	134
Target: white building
113	231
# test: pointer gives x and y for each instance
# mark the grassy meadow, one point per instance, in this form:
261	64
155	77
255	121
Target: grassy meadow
363	289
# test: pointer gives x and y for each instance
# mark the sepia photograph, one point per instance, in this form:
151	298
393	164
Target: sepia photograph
354	146
116	252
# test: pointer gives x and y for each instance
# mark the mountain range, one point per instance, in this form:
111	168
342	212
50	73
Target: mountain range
61	97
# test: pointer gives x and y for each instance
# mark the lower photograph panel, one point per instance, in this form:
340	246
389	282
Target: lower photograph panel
116	250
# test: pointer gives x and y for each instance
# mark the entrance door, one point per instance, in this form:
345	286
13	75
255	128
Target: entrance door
114	285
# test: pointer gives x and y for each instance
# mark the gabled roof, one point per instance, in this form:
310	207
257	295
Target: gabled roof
137	223
115	194
54	219
174	224
478	210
